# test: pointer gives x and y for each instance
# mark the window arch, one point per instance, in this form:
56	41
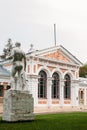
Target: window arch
42	85
55	85
67	87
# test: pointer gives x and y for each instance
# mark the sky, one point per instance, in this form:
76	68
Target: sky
32	22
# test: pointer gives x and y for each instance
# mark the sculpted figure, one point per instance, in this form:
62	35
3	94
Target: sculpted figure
18	78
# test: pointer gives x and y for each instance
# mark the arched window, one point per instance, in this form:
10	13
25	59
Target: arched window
82	95
55	85
42	85
67	87
1	90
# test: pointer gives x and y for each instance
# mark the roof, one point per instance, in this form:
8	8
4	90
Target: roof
83	81
59	47
72	55
4	72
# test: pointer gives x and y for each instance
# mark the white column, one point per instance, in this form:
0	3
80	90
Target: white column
49	89
33	87
61	92
76	90
85	97
73	96
4	88
31	65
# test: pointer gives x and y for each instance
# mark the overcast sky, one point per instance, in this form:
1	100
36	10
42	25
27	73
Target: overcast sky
31	21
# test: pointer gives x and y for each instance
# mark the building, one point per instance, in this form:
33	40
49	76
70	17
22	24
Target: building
53	80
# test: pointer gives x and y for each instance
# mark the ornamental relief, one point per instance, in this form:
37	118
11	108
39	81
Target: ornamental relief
57	56
73	72
7	65
39	65
63	70
51	68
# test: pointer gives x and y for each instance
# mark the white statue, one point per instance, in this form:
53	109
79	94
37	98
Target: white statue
18	75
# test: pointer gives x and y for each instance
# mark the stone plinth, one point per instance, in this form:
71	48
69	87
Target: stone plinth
18	106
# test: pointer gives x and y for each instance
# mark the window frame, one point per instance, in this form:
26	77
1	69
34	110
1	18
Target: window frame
1	90
67	87
55	86
42	85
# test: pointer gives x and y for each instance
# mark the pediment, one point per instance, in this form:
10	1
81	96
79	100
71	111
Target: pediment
57	55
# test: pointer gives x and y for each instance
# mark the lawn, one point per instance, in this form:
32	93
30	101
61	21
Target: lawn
60	121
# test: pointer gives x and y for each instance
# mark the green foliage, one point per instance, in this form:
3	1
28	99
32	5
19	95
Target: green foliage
83	71
64	121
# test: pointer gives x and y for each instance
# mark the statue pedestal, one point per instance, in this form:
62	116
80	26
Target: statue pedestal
18	106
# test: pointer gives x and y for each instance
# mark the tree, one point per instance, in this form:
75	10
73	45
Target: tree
83	71
7	49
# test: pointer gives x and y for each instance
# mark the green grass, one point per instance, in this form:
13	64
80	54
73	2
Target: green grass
61	121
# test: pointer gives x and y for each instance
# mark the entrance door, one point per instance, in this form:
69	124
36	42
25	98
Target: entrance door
81	97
